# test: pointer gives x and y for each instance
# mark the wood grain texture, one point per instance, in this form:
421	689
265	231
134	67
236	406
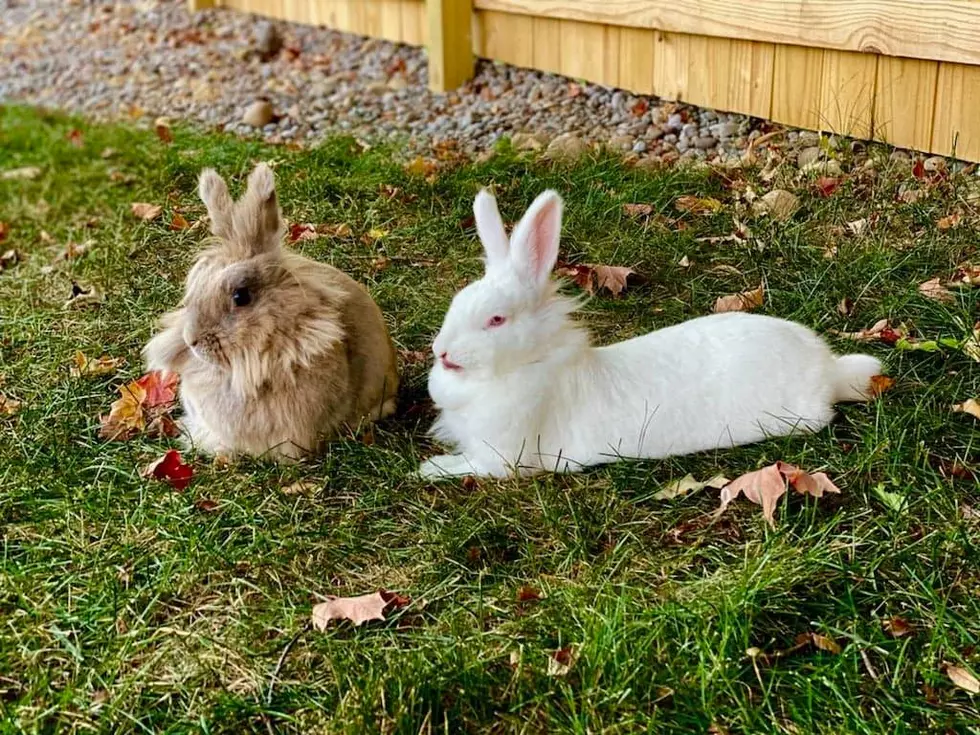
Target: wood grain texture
905	98
193	5
670	65
708	64
547	44
506	37
797	84
450	43
413	22
391	20
847	95
589	51
636	59
956	125
943	30
750	78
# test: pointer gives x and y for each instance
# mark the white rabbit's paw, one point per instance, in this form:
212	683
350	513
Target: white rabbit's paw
447	465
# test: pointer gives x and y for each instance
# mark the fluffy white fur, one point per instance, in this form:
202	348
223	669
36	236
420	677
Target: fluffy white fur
531	394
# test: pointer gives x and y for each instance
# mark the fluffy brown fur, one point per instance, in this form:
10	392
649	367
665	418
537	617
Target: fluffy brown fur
306	354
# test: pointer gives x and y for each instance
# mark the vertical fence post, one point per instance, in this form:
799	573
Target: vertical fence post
450	43
193	5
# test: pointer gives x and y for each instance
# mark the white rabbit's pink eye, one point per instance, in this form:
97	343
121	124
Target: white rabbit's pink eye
496	321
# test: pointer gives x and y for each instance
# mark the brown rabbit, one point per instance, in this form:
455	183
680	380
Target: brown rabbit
275	352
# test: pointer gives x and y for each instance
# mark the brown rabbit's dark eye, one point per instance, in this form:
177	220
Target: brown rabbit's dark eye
241	297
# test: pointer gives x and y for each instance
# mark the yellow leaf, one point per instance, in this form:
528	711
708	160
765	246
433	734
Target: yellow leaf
744	301
970	406
145	211
964	679
697	205
84	367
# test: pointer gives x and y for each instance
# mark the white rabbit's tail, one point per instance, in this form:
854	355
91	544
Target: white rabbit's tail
852	377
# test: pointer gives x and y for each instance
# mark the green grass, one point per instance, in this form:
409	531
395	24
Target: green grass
125	607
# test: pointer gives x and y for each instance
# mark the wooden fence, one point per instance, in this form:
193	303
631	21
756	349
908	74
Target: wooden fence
906	72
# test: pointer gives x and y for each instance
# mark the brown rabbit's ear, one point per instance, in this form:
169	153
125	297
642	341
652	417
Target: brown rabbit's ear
214	193
256	222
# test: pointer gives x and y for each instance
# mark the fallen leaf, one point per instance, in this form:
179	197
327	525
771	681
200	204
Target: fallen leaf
949	221
919	169
744	301
145	211
414	357
963	678
338	230
697	205
162	427
893	501
880	384
845	307
380	264
301	488
74	250
966	274
160	388
179	222
170	469
76	137
896	627
763	487
971	345
25	172
827	185
83	296
4	230
83	367
125	417
9	259
8	405
858	226
970	406
687	485
611	277
933	289
580	273
107	153
358	610
825	644
376	233
805	483
778	204
161	126
684	262
527	594
302	231
880	331
206	505
562	661
637	210
911	196
422	167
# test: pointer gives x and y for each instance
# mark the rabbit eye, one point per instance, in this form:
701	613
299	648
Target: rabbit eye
496	321
241	296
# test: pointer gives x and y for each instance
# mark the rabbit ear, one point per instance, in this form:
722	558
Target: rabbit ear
534	244
214	193
490	228
256	217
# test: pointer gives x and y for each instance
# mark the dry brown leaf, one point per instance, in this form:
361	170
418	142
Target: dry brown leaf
963	678
763	487
144	400
423	167
896	627
25	172
4	231
815	484
845	307
75	250
76	137
145	211
339	230
161	127
162	427
358	610
125	417
779	204
638	210
697	205
528	594
825	644
880	384
684	262
83	367
179	222
970	406
688	484
611	277
301	488
966	274
933	289
880	331
562	661
950	221
744	301
83	296
10	258
8	405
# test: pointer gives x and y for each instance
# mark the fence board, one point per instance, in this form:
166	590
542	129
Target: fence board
905	99
956	127
636	59
413	22
848	92
751	77
797	83
708	63
670	55
547	44
943	30
507	37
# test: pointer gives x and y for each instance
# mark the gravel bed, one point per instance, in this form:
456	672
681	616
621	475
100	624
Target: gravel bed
288	82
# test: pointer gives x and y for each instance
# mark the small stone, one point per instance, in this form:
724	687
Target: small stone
268	42
808	156
622	143
526	142
824	168
724	130
566	147
899	157
689	131
779	204
397	83
674	123
259	114
934	164
809	138
640	146
705	142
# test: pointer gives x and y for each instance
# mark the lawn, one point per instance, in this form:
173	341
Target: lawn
127	606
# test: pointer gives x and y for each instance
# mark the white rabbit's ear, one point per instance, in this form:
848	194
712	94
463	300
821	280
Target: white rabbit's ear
490	228
534	245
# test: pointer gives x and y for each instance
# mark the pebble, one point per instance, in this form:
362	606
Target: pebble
808	156
622	143
258	114
566	147
705	142
640	146
824	168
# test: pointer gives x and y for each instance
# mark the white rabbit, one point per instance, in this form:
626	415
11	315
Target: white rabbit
520	389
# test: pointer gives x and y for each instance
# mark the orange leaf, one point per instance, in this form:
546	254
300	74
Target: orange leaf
76	138
744	301
880	384
162	128
160	388
125	415
697	205
179	222
897	627
145	211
